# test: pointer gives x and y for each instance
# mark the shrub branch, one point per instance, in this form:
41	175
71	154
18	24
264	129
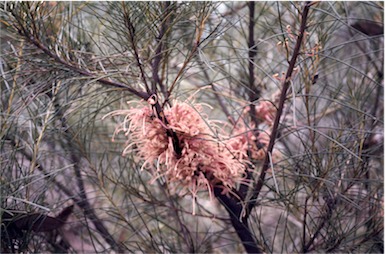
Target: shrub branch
286	84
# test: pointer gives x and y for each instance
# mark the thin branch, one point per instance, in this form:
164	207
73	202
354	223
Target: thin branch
274	132
304	223
131	30
35	41
216	93
88	209
198	36
253	91
330	205
181	70
81	202
158	52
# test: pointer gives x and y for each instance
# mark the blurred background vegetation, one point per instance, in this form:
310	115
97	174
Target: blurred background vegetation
64	65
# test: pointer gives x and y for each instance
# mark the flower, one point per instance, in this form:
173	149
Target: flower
206	161
266	111
207	155
247	142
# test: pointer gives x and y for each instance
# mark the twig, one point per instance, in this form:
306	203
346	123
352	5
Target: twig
197	43
81	201
216	94
253	95
329	207
282	99
131	30
88	209
304	223
35	41
158	52
253	91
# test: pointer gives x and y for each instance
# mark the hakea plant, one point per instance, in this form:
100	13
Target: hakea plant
244	136
205	161
244	140
209	157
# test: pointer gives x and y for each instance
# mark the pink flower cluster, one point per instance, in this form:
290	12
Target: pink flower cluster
266	112
247	138
244	140
209	156
206	160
